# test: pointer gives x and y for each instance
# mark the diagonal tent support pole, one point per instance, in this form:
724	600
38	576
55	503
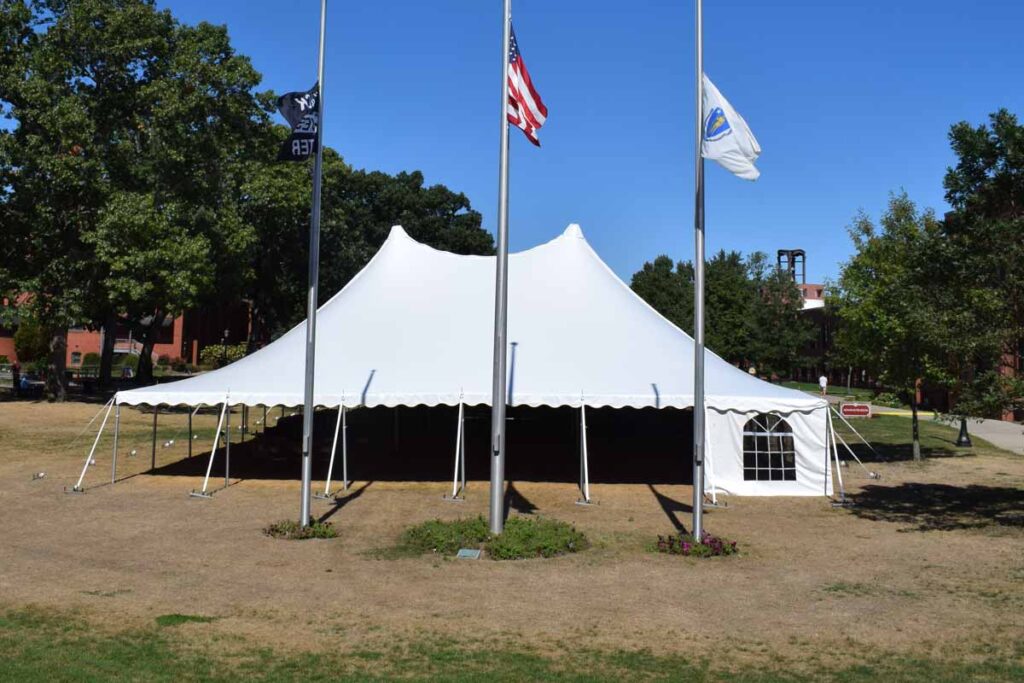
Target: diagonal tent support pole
459	476
326	495
190	433
213	452
344	448
117	432
871	475
584	460
842	502
77	488
847	423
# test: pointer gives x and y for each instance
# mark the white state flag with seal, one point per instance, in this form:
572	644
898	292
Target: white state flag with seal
727	138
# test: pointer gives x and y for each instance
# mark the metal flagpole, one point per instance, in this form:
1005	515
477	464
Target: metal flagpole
501	297
314	277
698	294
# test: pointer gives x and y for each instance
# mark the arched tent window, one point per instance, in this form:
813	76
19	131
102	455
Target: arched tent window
768	450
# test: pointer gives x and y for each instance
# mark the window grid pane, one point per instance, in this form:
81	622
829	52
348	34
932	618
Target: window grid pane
769	452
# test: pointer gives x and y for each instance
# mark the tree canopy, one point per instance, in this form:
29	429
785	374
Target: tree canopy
137	179
752	311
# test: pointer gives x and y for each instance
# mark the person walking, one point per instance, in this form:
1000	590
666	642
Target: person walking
823	383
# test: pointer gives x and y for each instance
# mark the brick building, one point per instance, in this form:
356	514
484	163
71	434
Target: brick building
182	337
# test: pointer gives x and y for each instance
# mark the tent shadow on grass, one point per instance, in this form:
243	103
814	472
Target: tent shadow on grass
941	507
417	444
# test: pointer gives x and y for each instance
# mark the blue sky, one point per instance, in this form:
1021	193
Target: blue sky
850	100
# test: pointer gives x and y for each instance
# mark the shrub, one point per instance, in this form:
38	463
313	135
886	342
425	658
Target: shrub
4	360
91	358
535	537
30	342
127	360
445	538
178	364
291	530
888	400
219	355
523	537
163	359
686	544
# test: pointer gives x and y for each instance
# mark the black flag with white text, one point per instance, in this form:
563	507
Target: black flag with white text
302	111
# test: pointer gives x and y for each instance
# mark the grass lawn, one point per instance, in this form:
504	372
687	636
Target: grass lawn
921	580
45	646
858	394
891	437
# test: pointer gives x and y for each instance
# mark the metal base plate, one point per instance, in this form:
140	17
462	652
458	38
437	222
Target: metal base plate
845	503
583	501
454	499
199	494
324	496
73	489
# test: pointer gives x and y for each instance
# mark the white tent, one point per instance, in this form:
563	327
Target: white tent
414	327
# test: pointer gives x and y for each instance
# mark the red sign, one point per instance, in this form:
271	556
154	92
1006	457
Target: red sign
855	410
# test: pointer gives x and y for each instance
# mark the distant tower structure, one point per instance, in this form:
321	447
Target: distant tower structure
794	261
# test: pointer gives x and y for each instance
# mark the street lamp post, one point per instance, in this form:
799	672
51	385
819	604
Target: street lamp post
964	439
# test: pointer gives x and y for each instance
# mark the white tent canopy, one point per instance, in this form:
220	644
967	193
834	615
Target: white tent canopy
414	327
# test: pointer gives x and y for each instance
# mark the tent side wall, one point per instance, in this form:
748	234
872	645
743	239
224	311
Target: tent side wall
809	432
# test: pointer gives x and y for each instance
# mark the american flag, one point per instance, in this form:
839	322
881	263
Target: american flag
525	109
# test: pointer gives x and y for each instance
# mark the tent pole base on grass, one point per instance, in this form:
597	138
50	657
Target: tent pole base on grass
77	488
340	427
584	464
843	501
459	477
209	466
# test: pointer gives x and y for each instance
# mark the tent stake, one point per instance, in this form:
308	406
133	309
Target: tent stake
213	452
77	488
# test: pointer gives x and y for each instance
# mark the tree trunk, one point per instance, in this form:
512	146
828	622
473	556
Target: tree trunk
145	375
915	427
56	380
107	352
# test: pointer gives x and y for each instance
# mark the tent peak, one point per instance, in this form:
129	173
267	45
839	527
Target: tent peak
398	231
573	230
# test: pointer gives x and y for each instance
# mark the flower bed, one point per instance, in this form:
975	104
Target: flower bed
686	544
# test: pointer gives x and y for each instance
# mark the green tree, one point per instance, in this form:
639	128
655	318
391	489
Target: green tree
781	332
668	288
119	112
886	309
980	266
359	208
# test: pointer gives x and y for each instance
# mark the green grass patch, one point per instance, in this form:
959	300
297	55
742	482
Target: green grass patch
848	588
179	619
891	437
47	646
854	393
525	537
522	538
291	530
